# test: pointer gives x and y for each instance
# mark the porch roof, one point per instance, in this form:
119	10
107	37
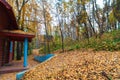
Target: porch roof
17	35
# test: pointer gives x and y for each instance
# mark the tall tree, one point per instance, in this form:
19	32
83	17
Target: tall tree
116	6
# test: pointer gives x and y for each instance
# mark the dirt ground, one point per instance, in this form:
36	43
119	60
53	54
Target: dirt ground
75	65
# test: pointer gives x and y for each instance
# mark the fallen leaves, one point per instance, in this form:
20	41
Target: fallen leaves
77	65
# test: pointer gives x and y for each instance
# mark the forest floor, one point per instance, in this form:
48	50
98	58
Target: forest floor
75	65
78	65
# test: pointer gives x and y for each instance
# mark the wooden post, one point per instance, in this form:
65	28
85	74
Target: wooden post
11	46
11	51
25	52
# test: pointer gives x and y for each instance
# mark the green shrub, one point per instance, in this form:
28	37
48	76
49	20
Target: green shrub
110	41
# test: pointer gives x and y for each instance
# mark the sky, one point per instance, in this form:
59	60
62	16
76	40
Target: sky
100	2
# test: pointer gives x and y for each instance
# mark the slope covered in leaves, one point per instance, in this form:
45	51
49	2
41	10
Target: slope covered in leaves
78	65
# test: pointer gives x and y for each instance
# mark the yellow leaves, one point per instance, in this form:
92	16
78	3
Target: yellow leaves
10	2
28	12
70	2
112	18
77	65
48	16
83	2
82	17
65	6
79	1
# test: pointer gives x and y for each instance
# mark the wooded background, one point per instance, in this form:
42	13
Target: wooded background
60	22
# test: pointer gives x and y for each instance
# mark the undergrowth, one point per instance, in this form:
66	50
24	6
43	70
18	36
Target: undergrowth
109	41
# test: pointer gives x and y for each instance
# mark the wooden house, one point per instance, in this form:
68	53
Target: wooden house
9	33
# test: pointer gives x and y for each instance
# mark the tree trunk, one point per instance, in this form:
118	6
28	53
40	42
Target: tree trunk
46	28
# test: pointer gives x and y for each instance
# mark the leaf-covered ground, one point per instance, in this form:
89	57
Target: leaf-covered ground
78	65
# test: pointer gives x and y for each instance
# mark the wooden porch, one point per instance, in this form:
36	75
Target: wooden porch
17	66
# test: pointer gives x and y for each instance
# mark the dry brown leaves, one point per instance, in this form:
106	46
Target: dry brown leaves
78	65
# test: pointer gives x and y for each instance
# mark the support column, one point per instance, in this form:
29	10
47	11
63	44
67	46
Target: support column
13	55
11	46
11	51
25	52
